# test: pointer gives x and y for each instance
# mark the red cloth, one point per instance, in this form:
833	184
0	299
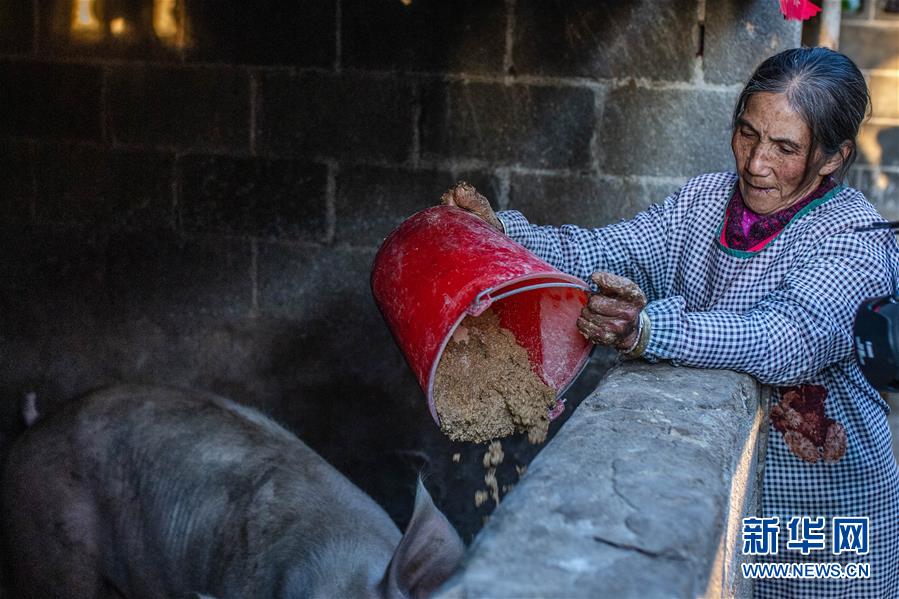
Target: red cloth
747	231
799	10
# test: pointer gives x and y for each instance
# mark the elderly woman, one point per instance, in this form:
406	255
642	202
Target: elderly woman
761	271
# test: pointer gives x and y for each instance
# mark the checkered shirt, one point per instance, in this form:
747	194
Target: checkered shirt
784	315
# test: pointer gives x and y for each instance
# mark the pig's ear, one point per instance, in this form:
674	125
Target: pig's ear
428	553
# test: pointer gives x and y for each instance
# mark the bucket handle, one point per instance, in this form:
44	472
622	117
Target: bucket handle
484	299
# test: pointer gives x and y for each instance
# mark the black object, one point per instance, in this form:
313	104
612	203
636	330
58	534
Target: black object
876	336
876	333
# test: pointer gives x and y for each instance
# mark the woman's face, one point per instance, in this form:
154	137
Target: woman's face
771	146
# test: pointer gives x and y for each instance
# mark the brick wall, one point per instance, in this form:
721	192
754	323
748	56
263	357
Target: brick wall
870	37
200	206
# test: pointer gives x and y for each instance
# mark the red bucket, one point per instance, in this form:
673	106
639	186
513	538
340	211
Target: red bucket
443	263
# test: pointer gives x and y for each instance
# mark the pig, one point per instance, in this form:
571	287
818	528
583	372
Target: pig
156	492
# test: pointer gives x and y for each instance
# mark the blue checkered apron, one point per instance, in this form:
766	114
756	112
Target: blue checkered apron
784	315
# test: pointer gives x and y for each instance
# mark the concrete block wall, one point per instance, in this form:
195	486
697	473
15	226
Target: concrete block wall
870	36
195	198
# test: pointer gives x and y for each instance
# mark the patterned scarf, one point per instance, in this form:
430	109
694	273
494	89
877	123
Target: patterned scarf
747	231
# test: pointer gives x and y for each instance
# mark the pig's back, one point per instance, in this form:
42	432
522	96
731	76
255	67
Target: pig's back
188	490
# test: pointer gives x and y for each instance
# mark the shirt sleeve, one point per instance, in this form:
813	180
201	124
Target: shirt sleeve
637	249
793	333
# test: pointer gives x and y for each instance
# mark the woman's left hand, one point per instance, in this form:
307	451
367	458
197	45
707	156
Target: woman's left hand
613	312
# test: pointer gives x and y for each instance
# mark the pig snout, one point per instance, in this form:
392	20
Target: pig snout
143	492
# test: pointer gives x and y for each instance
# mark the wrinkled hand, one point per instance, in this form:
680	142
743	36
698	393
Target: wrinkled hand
613	312
463	195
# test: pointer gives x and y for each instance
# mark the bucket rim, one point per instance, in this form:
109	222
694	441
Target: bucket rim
485	298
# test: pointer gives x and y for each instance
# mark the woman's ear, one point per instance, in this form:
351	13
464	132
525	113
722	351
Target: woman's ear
833	163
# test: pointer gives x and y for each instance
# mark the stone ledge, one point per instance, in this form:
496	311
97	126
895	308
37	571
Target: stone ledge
640	494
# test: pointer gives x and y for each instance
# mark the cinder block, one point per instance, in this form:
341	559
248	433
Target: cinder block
252	196
323	295
371	201
100	188
739	35
17	32
265	33
159	276
56	101
426	35
586	201
334	115
642	38
188	108
296	282
870	47
885	94
16	182
676	133
535	126
53	278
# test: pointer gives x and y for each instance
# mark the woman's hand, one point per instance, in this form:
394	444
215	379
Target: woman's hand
613	312
463	195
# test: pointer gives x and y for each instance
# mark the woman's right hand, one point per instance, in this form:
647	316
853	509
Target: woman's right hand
612	314
463	195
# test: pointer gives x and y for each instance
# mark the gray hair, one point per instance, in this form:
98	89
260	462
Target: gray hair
825	88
